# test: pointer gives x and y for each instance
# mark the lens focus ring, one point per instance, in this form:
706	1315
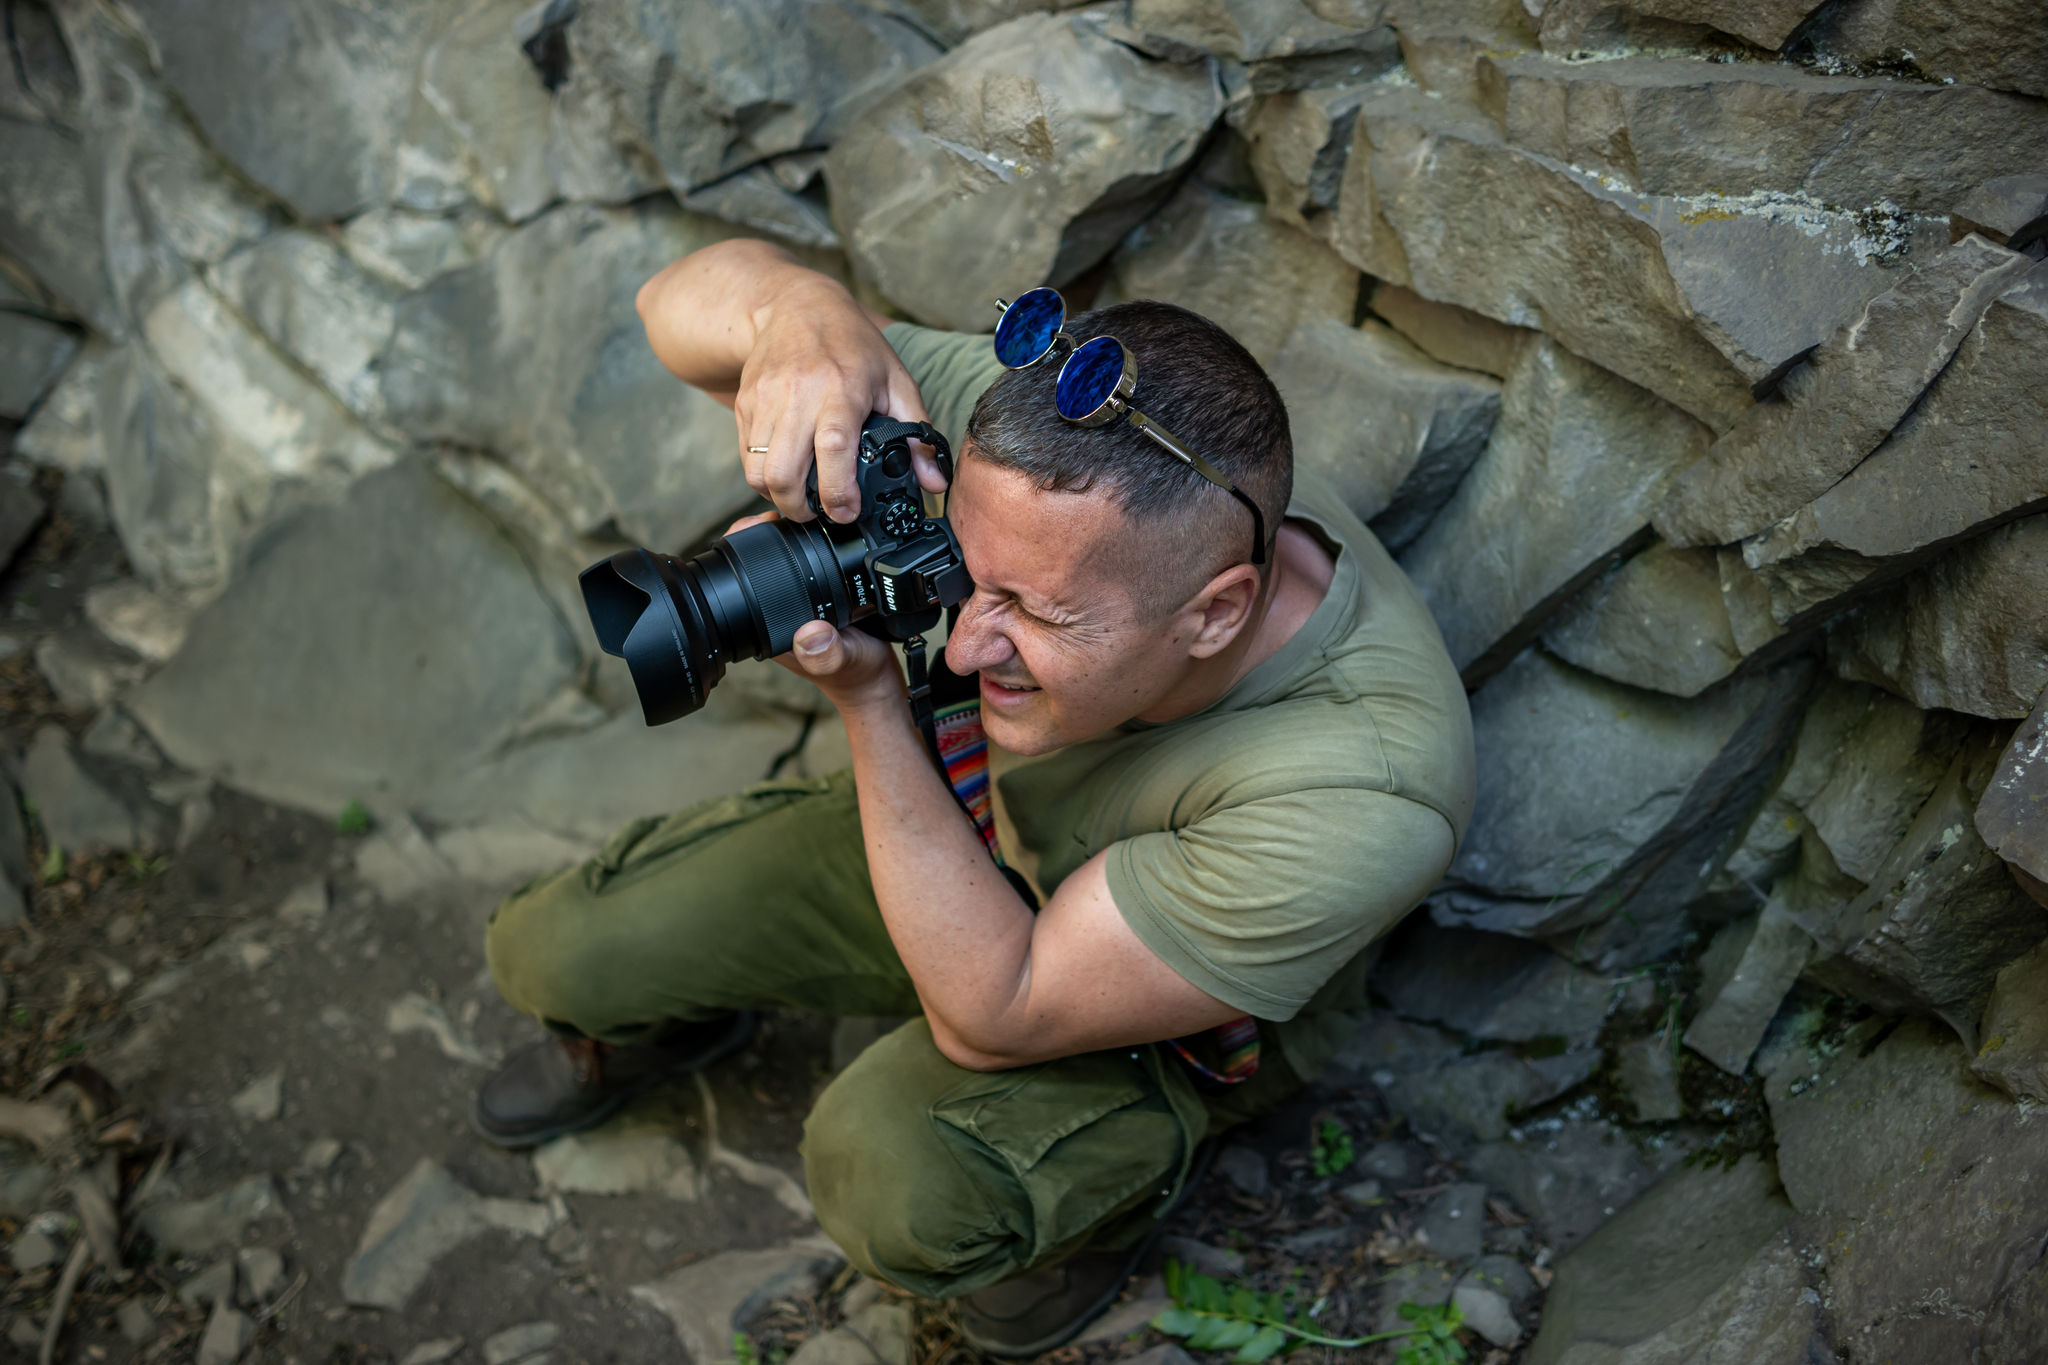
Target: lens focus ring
778	588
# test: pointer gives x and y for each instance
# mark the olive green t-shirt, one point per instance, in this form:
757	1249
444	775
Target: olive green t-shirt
1260	845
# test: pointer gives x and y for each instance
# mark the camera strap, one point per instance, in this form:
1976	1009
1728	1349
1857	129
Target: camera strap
921	701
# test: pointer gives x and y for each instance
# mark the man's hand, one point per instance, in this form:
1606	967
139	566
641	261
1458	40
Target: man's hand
794	354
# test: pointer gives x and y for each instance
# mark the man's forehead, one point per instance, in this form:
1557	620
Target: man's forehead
1023	538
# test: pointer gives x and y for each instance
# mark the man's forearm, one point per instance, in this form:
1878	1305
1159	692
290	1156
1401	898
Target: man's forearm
961	930
704	313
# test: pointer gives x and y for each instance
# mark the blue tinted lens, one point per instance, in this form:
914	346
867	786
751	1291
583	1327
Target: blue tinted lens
1088	378
1026	330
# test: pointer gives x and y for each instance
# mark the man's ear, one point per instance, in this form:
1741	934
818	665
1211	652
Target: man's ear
1221	609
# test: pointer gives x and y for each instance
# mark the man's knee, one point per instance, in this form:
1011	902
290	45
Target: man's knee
887	1187
537	955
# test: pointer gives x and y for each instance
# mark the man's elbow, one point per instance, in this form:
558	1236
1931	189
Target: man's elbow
971	1057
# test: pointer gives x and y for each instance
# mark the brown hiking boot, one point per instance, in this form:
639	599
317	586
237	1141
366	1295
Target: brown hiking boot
565	1085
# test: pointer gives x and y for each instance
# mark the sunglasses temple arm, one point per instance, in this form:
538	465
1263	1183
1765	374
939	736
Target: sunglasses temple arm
1171	444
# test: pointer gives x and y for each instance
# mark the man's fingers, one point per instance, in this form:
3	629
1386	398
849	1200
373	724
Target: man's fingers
788	462
837	440
744	522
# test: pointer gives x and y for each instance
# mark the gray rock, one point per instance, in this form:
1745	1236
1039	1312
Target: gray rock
1474	1099
437	608
1940	918
1489	985
1456	336
1311	1241
2011	210
756	199
537	355
710	1300
1299	139
409	249
1386	1045
516	1343
423	1218
623	1157
1678	125
228	1333
1696	298
1504	1275
262	1100
1246	1171
193	1227
14	869
948	191
1442	40
310	111
1969	632
77	813
66	432
1571	1177
878	1334
149	624
1217	1262
1453	1224
215	1284
1970	455
208	431
1658	620
1389	429
1363	1194
2012	817
1648	1075
1731	1024
1255	30
1644	796
1694	1265
1576	461
709	89
317	305
1419	1282
1997	45
432	1352
34	352
1224	258
1488	1312
21	512
1841	403
32	1250
84	673
1890	758
1394	1162
1922	1185
136	1323
952	22
2014	1055
261	1273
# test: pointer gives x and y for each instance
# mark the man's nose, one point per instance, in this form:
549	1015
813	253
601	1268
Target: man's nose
974	643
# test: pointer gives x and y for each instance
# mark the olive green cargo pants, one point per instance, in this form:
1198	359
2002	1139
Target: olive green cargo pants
932	1177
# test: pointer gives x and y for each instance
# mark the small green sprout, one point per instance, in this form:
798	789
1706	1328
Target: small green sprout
1331	1151
53	866
355	820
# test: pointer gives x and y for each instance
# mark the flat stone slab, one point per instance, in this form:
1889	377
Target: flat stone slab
714	1298
423	1218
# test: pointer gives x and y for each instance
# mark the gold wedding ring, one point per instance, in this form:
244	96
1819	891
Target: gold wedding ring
757	450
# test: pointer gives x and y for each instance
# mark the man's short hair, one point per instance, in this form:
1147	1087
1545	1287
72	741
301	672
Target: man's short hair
1200	384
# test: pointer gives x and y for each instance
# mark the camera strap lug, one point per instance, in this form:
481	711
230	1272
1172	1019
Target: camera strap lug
921	700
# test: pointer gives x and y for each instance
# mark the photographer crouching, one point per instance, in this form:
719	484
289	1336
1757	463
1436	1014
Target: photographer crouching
1192	745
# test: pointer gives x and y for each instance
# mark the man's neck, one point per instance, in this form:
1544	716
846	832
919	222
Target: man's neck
1301	576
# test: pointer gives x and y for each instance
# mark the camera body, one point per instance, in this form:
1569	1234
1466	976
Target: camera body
891	572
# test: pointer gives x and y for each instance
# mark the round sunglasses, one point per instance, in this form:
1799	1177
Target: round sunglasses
1095	384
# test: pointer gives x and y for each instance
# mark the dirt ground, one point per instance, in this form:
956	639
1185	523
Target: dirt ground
148	992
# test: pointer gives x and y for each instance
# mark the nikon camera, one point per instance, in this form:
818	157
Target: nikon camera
891	572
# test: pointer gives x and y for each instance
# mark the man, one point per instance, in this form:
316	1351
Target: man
1225	768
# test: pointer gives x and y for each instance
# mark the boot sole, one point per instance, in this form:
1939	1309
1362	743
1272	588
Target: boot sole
1198	1171
744	1024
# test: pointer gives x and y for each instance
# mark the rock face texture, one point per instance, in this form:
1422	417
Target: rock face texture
1687	354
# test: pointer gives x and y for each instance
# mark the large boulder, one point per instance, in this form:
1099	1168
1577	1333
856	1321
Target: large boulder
536	355
1299	140
2013	814
1020	158
1657	620
34	352
710	88
1762	959
1257	30
1226	259
309	104
1997	43
1492	986
1835	408
1576	462
1923	1189
1641	797
1572	1173
318	306
1456	336
1697	297
369	650
1941	914
1969	632
1387	427
955	21
2014	1053
1695	1270
1672	125
1971	453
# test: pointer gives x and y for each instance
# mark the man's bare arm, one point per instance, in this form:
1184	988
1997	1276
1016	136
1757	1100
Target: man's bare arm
793	353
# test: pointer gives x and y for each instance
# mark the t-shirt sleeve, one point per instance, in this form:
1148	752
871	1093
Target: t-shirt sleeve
951	369
1259	903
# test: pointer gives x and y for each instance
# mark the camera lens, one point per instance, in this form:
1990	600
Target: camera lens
677	624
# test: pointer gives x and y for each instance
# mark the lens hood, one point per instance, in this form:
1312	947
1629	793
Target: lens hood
637	602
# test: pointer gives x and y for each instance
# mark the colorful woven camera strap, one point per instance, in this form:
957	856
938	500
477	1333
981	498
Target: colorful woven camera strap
963	748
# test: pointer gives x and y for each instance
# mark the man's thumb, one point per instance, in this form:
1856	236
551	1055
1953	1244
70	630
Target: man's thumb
817	647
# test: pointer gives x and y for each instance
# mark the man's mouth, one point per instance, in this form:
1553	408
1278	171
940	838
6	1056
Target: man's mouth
1004	694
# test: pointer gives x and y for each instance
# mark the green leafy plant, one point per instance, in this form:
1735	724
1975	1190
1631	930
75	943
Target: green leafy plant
1330	1152
355	819
53	866
742	1348
1213	1316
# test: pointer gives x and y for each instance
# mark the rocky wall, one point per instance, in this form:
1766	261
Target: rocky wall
1687	354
